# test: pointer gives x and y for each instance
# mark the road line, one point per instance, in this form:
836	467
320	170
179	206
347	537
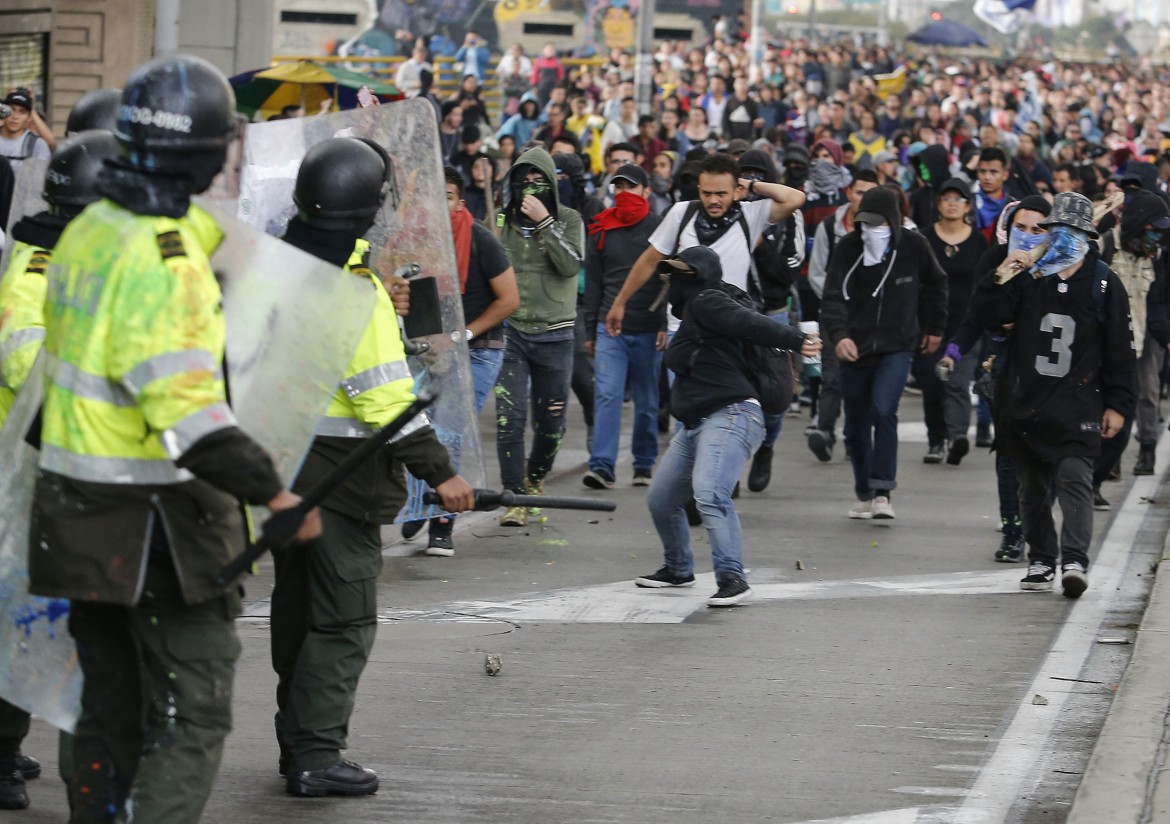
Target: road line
1002	780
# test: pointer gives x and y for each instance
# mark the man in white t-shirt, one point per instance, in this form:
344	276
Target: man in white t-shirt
722	221
18	140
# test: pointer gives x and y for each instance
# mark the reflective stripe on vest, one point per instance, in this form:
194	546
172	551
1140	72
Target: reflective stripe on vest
20	338
168	365
85	385
374	377
105	470
187	432
350	428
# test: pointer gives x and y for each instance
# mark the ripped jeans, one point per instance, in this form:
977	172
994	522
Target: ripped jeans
544	363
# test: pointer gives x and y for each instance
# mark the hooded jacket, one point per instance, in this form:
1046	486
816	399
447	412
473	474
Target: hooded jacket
781	250
524	123
886	307
546	260
936	162
707	352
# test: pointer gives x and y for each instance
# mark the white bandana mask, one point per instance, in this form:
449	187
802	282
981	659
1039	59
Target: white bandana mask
875	240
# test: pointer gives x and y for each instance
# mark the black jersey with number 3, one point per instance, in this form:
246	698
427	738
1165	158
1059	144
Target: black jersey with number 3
1070	356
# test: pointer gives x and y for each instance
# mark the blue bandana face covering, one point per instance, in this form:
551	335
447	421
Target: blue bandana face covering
1066	248
1023	241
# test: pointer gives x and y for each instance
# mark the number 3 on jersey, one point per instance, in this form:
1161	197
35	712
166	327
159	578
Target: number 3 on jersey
1064	330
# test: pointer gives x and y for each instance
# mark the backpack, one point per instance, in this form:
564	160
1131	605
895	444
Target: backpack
692	209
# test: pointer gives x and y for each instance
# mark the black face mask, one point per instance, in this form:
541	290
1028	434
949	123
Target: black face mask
540	189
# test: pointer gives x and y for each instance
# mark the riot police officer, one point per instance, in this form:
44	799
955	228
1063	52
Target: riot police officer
324	602
136	506
69	187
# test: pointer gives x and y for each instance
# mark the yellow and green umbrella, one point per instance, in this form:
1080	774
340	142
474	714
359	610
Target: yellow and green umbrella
304	83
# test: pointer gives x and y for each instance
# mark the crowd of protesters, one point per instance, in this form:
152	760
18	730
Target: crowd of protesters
912	171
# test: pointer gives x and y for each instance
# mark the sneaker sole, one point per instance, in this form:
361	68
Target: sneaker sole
1045	586
595	482
1073	584
1102	507
650	583
729	602
932	459
641	482
1007	559
439	551
861	516
882	516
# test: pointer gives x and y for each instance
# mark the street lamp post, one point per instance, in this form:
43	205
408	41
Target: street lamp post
644	68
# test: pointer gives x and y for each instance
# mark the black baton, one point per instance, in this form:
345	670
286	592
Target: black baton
488	499
283	525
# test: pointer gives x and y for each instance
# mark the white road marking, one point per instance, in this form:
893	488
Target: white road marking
908	815
1002	780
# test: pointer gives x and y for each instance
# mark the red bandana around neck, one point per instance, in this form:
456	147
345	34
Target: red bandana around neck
628	209
461	230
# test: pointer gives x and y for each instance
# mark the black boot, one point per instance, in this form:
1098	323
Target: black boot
1145	459
983	438
13	795
340	778
761	472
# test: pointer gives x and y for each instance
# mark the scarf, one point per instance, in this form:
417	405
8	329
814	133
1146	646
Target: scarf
875	240
709	229
1067	247
142	193
628	209
42	230
328	245
461	223
827	177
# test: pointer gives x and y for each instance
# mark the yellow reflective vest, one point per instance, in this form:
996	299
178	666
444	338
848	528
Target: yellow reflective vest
377	385
134	348
22	327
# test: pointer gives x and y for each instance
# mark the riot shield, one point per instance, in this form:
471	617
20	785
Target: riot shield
38	662
26	200
413	228
293	323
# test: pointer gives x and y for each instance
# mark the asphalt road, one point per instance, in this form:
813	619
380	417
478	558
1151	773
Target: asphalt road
900	676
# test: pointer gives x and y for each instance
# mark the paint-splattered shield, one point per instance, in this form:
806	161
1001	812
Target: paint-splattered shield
293	323
26	199
413	229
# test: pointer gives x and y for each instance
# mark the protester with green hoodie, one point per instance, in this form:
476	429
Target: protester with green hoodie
545	242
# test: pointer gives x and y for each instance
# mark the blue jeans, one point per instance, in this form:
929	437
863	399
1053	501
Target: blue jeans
704	462
613	358
485	368
544	363
871	395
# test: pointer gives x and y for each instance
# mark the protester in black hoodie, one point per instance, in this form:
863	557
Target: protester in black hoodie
715	397
1069	382
933	170
885	298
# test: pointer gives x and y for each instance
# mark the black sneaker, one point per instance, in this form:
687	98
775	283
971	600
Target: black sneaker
441	546
934	455
1039	578
983	438
760	474
598	479
412	528
821	444
732	590
341	778
960	446
642	477
1011	549
29	767
665	578
1074	580
1099	502
13	795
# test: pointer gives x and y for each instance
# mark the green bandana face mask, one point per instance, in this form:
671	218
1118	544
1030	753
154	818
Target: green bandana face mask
536	188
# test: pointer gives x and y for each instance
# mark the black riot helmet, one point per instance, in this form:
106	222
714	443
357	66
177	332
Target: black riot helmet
71	179
341	184
177	118
96	110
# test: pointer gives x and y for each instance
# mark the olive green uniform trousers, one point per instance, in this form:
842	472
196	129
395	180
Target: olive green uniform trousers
156	702
324	619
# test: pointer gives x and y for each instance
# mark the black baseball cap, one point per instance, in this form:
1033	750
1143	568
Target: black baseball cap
632	173
957	184
20	97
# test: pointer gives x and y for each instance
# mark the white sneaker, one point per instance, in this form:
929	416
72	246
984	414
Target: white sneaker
882	508
861	509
